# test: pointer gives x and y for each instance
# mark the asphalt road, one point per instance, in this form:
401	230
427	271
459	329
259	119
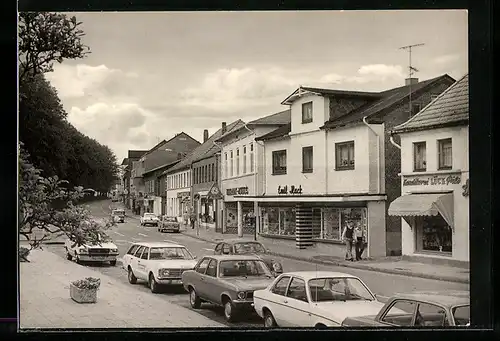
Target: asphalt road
382	284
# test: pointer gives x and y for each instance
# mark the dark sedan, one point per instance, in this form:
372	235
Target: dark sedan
249	247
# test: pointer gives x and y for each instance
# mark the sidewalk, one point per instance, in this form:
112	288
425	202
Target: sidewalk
45	300
391	265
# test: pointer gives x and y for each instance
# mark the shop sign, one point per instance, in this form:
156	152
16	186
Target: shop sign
433	180
183	194
237	191
292	190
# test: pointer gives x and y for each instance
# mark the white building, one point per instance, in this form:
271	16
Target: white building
434	202
242	171
178	186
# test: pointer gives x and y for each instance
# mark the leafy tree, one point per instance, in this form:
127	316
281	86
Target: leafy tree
40	217
45	38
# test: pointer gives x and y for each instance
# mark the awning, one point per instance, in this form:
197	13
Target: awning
429	204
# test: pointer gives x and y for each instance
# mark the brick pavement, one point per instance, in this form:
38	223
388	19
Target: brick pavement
45	300
391	265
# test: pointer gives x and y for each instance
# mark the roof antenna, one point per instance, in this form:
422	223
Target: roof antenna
411	69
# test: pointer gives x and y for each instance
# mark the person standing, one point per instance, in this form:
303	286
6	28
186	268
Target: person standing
348	237
360	240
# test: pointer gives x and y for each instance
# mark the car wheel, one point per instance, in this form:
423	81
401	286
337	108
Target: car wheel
229	311
68	255
131	277
153	285
77	259
194	299
113	262
269	321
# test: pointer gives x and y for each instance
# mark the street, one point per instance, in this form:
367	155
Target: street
124	234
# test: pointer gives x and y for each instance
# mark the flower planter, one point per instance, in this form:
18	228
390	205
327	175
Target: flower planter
83	295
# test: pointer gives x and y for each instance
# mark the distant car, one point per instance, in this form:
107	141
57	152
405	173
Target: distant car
228	281
149	219
314	299
419	309
118	215
158	263
169	224
249	247
104	252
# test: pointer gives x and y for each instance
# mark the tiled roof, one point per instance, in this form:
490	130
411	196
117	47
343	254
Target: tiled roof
388	99
280	132
136	154
282	117
205	150
452	106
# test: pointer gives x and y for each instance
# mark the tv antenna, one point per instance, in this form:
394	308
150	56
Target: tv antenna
411	69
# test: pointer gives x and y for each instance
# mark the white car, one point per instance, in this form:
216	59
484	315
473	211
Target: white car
314	299
149	219
106	251
158	263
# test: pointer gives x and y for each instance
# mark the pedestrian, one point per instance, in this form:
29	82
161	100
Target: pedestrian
348	237
360	240
193	218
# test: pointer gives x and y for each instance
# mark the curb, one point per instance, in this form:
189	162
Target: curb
357	266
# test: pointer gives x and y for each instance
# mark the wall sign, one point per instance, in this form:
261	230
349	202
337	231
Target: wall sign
183	194
237	191
433	180
292	190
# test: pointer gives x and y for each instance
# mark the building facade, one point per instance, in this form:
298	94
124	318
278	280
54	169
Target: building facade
434	201
178	194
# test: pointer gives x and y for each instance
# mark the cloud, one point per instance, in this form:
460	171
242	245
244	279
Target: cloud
381	71
446	59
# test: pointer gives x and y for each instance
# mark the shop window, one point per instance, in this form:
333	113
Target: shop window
251	158
278	221
279	162
433	235
307	159
419	163
244	159
445	154
307	112
331	224
344	155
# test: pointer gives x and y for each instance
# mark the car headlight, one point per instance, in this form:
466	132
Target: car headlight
164	272
242	295
83	250
114	250
277	267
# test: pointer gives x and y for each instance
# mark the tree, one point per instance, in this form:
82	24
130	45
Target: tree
45	38
39	212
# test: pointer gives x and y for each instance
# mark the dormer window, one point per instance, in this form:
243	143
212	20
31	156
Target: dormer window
307	112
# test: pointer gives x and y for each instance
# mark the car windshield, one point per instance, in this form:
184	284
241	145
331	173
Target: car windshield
149	215
162	253
243	268
461	315
248	247
338	289
170	219
117	212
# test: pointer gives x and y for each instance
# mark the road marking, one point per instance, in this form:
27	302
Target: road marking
118	233
142	234
208	249
170	241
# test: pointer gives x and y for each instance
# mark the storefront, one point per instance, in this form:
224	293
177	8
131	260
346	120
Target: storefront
237	212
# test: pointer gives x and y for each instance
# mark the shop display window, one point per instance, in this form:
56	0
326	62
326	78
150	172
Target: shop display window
434	234
278	221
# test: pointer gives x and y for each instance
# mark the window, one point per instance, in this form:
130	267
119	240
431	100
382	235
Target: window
307	159
344	155
218	249
145	253
237	161
307	112
400	313
225	166
415	108
430	315
445	154
278	221
244	159
139	251
433	97
132	249
279	162
213	172
202	266
212	268
297	290
206	174
200	175
434	235
461	315
231	165
419	164
280	287
209	173
251	157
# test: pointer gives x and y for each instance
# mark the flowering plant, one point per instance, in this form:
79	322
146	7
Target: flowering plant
87	283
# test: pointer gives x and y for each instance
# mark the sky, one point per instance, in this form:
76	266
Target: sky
152	75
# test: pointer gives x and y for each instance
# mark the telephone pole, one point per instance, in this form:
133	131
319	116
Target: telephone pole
411	69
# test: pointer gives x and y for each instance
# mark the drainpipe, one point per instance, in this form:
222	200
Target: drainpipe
391	139
378	151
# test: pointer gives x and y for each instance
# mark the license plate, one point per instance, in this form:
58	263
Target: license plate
175	281
98	258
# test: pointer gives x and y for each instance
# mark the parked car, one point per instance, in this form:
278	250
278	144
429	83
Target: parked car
149	219
419	309
118	215
106	251
249	247
314	299
158	263
228	281
169	224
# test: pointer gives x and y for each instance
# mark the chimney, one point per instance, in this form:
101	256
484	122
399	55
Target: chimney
223	128
411	81
205	135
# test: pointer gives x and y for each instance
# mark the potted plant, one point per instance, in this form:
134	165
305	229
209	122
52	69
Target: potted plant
85	290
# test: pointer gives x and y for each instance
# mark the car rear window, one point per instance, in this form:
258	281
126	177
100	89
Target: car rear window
248	247
170	219
461	315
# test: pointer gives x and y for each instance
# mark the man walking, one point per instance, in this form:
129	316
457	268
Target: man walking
348	237
360	240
